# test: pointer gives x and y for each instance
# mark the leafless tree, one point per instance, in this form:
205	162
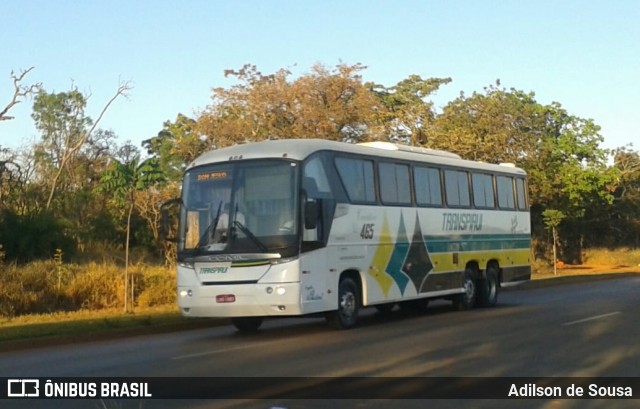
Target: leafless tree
19	92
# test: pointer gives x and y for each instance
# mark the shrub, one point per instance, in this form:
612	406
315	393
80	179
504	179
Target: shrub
159	287
96	286
30	289
51	286
32	237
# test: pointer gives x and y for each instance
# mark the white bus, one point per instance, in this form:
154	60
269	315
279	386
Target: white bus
308	226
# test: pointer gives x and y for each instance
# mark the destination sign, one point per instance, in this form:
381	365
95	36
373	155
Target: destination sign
203	177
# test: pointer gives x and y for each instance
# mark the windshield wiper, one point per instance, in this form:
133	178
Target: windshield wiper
205	237
250	235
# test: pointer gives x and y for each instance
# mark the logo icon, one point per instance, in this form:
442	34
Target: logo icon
23	388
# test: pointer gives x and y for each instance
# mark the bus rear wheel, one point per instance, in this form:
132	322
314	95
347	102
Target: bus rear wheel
247	324
488	288
467	299
346	316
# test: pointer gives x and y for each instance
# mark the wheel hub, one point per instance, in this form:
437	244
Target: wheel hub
348	304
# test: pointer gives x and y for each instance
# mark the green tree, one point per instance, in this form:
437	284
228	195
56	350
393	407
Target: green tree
552	219
624	217
65	130
561	152
408	114
569	172
126	175
325	103
26	237
177	144
77	200
494	126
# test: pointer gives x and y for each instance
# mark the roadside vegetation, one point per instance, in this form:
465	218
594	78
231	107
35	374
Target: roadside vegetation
79	209
622	257
49	300
42	287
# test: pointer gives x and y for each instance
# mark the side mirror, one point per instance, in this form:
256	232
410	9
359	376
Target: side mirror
169	219
311	213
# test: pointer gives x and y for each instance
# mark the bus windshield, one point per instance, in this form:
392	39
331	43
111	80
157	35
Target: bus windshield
240	207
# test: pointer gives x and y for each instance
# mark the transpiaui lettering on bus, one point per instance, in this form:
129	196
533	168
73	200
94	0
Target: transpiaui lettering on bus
461	221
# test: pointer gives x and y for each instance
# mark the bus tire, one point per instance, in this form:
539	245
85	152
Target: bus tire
247	324
346	316
467	299
488	288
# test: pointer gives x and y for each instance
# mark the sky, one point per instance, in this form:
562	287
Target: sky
583	54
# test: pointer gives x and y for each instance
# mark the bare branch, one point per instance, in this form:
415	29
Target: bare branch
71	151
123	89
20	91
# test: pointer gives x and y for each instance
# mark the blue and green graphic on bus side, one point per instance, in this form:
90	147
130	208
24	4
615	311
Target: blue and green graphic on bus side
411	259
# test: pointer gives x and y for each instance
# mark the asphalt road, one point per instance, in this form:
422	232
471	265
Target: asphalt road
588	329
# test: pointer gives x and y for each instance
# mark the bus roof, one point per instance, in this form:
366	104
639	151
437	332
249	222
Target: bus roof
300	149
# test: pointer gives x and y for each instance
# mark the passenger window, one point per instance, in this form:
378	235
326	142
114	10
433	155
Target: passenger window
357	178
456	184
521	190
483	191
506	198
395	187
315	180
427	186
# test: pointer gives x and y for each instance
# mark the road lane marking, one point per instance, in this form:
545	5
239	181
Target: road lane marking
222	351
596	317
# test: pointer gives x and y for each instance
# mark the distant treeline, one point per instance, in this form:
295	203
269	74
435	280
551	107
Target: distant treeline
77	188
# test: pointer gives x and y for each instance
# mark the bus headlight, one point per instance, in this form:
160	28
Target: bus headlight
279	290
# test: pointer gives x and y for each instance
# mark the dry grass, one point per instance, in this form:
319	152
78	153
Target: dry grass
46	287
595	261
46	299
618	257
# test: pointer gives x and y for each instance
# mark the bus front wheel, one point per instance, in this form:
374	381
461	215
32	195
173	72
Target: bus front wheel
346	316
